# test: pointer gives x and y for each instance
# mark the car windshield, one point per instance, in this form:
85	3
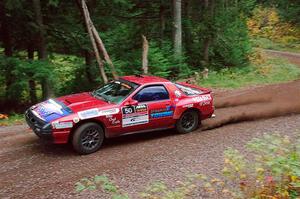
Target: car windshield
115	92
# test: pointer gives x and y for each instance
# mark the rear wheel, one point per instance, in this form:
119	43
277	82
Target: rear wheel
88	138
187	122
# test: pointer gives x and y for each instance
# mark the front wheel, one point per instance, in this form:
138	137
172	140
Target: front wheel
88	138
187	122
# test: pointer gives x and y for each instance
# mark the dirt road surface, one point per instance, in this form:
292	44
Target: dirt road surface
32	169
292	57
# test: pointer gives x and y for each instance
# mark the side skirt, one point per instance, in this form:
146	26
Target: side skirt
145	131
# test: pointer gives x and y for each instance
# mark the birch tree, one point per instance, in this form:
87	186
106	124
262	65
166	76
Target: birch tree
177	28
96	51
145	55
98	44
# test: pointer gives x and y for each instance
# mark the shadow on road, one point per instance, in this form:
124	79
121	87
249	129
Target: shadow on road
67	150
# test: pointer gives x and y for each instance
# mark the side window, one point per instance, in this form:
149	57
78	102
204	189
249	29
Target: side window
152	93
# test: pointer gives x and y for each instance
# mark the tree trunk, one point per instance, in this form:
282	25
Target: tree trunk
177	29
145	55
88	64
41	45
104	52
208	39
188	26
88	54
96	51
206	50
41	41
5	31
31	82
7	44
32	90
162	22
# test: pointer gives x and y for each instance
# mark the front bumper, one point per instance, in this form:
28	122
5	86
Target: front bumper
41	128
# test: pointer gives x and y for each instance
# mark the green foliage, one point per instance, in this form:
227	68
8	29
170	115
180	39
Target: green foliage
219	25
18	72
224	28
162	191
102	182
269	30
13	119
231	45
71	74
275	171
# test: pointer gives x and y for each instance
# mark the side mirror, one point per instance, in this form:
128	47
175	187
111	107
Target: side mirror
131	102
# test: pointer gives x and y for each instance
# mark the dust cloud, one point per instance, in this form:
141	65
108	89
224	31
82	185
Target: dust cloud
254	104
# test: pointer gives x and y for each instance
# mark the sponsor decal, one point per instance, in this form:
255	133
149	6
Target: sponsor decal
55	103
135	120
135	109
202	98
76	119
141	108
169	108
135	115
88	113
109	111
49	110
204	103
188	106
159	110
162	114
113	120
95	112
177	93
62	125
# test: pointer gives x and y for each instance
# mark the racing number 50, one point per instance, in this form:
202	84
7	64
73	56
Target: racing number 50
128	110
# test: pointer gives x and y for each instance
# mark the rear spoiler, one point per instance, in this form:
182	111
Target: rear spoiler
204	90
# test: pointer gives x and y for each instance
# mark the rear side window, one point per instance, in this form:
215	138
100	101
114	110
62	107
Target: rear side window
152	93
188	90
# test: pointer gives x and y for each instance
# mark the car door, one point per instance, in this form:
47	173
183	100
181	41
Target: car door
156	99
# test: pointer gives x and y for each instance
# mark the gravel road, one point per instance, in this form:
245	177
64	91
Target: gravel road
32	169
292	57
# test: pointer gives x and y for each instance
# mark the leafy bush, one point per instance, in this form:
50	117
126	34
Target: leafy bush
274	171
268	30
231	46
100	182
17	73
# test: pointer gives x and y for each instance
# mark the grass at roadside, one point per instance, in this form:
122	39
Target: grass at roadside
13	119
265	43
273	70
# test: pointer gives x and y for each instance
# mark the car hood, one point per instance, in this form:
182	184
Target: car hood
50	110
82	101
63	106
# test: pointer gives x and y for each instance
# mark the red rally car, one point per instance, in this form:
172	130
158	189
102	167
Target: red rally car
129	105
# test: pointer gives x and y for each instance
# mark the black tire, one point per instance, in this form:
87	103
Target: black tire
188	122
88	138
